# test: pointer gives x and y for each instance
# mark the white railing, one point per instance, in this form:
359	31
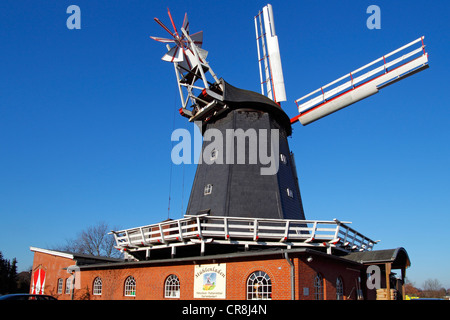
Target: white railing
236	230
352	79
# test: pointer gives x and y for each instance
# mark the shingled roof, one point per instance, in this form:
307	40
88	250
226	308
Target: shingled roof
397	257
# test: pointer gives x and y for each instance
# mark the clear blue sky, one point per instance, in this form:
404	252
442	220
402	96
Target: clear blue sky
86	118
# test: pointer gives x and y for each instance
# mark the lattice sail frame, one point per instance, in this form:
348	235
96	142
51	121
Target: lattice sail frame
362	82
269	59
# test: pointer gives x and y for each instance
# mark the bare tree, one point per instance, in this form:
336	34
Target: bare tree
94	240
432	288
432	285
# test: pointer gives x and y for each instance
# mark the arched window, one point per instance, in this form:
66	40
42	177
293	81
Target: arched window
60	285
318	287
259	286
68	285
172	287
130	287
339	289
97	287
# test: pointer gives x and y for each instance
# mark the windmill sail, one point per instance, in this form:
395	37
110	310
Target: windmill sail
267	42
190	64
354	87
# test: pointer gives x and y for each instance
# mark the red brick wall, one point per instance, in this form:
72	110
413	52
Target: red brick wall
150	278
277	269
149	282
330	270
53	266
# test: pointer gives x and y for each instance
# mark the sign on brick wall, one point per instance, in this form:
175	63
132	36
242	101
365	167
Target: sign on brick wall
210	281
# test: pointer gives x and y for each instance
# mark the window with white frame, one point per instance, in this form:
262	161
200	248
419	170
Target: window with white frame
97	287
60	285
208	189
172	287
68	285
290	193
130	287
259	286
339	289
318	287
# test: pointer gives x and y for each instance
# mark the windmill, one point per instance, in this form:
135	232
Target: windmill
233	205
225	190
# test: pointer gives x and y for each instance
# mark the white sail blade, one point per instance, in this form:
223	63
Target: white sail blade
263	61
186	23
163	40
338	104
354	87
189	61
197	38
175	54
274	55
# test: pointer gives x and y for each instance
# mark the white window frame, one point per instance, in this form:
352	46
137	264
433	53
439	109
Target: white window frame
68	285
60	285
208	189
259	286
97	287
290	193
130	287
172	287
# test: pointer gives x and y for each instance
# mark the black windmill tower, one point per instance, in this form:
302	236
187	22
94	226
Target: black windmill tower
252	172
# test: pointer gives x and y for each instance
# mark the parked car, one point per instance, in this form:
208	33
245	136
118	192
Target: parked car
27	296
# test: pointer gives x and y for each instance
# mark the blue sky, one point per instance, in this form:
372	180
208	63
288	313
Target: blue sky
86	118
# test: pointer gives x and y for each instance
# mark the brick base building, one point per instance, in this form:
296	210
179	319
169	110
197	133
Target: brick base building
275	274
